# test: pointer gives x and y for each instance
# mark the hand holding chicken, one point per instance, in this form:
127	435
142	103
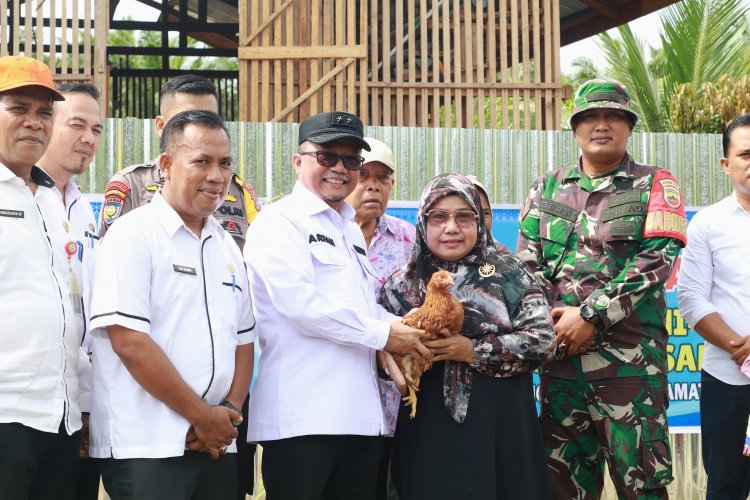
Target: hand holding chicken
441	316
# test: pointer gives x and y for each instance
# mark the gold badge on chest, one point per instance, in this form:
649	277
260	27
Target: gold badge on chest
486	270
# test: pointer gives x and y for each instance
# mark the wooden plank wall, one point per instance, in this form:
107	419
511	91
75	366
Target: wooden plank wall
63	33
463	64
299	58
419	63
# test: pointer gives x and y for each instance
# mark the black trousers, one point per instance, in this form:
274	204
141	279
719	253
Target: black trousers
245	455
193	476
322	467
385	463
37	465
724	412
89	474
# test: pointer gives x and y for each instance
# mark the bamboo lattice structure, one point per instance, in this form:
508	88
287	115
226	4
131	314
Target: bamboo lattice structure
418	63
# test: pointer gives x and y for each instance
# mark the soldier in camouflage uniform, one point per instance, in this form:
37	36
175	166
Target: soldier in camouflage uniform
136	185
601	238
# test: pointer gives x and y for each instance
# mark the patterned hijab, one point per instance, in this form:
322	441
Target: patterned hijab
487	297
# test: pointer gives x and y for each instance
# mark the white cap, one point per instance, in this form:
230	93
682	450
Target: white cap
379	152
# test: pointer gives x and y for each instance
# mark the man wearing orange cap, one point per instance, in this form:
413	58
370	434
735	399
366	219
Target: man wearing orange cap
40	417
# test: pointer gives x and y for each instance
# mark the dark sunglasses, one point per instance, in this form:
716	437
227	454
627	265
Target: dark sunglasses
330	160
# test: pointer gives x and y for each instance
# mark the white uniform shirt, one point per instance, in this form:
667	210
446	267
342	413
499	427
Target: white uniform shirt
191	295
83	230
715	277
39	338
318	322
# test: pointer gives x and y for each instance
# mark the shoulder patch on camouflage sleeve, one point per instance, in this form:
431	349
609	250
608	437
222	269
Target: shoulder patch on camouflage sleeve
665	215
114	197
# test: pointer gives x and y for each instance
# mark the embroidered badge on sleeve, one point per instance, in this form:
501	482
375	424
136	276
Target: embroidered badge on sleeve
665	214
114	197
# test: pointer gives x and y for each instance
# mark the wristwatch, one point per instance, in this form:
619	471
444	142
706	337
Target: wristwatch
589	314
229	405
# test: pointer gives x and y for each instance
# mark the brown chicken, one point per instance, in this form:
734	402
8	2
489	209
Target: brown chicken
441	316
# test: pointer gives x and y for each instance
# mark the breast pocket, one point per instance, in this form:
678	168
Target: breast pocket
621	242
554	233
332	271
232	295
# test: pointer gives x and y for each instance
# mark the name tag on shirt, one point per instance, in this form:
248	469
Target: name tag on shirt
184	269
16	214
322	238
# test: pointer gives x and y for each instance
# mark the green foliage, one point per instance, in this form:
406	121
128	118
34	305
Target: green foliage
701	40
627	63
583	69
130	38
711	107
139	96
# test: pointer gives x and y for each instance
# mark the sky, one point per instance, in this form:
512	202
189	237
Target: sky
647	28
135	10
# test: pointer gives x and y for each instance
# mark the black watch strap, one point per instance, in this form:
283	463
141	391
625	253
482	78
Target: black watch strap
229	405
590	314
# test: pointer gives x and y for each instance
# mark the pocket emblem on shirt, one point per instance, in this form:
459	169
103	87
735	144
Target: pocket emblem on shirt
602	302
486	270
231	227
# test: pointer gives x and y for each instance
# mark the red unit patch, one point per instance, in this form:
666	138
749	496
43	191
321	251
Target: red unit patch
665	215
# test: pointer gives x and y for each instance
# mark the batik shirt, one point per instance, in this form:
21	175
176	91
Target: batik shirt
609	242
389	249
506	316
391	245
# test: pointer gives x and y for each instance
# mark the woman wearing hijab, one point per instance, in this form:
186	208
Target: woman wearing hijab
476	434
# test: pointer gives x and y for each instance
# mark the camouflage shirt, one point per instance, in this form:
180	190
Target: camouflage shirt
136	185
610	242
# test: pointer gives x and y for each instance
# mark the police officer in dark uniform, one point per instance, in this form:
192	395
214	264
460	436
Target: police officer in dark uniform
135	185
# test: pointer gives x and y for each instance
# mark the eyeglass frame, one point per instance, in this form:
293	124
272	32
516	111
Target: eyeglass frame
452	216
339	158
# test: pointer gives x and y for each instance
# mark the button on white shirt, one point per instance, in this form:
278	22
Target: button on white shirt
715	278
191	295
318	322
39	338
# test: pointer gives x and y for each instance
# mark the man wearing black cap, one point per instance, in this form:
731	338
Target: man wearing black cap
316	407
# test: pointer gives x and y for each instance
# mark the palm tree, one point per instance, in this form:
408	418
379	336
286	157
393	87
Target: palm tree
701	40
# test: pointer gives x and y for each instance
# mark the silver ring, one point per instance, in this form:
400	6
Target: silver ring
563	346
